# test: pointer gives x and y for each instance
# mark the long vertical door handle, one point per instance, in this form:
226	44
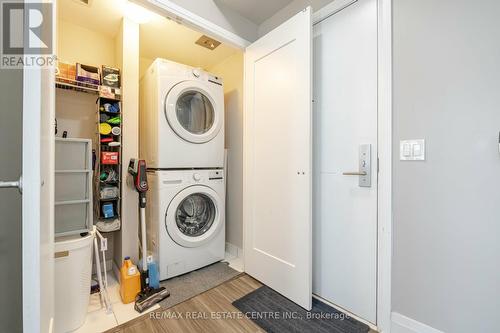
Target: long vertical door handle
365	166
13	184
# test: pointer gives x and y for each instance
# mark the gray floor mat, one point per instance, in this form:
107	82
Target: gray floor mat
277	314
186	286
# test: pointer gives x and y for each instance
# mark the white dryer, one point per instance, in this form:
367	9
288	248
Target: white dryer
185	219
181	117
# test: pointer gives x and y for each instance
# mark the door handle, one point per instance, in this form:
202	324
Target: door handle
362	173
365	162
13	184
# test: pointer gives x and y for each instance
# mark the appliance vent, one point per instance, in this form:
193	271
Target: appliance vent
207	42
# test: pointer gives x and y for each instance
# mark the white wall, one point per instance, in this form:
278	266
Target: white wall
78	44
75	111
289	11
446	268
127	48
76	114
231	70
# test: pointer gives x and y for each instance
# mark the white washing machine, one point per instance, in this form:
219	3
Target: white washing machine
181	117
185	219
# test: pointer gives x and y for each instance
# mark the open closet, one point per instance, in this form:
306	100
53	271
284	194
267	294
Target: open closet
104	48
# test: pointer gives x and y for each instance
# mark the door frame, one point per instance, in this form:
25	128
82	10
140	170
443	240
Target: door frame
384	12
38	138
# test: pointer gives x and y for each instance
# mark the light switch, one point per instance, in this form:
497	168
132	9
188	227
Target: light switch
406	150
417	150
412	150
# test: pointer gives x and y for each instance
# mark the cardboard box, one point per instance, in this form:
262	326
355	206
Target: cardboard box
66	71
111	77
109	157
88	74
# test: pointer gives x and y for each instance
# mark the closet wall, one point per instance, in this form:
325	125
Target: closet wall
132	47
76	111
231	70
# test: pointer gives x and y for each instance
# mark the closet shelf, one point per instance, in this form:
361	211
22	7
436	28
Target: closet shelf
71	202
74	85
74	171
89	88
110	199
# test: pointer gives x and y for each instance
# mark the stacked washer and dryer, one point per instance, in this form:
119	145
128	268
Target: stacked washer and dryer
182	141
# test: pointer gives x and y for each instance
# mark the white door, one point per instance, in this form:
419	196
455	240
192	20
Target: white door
345	127
277	159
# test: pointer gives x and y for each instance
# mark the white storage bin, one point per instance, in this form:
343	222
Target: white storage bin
73	269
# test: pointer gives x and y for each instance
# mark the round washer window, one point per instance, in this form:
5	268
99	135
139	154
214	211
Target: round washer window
195	214
195	112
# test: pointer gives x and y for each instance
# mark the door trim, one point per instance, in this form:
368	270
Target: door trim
384	195
38	195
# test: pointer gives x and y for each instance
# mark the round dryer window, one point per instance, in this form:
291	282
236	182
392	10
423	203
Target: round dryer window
195	215
195	112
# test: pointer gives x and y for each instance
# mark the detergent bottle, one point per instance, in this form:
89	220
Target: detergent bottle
130	281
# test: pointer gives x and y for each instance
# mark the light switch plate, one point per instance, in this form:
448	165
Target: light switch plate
412	150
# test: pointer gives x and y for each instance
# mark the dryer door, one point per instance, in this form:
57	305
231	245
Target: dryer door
194	216
192	113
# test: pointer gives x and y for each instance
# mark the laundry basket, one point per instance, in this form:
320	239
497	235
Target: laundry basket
73	269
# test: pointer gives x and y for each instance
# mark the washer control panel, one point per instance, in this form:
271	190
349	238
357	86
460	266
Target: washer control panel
215	174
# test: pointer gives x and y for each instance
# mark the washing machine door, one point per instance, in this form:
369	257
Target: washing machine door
194	216
192	113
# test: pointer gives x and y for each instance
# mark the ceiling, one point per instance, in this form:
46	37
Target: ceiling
256	11
159	37
168	39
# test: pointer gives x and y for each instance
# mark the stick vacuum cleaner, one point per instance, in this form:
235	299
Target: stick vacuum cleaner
148	295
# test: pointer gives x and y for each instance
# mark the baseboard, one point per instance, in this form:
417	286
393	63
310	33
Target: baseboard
234	251
403	324
339	308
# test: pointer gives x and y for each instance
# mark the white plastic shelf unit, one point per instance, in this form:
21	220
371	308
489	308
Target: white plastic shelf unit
73	186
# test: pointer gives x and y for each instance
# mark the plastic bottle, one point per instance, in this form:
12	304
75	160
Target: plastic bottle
154	275
130	281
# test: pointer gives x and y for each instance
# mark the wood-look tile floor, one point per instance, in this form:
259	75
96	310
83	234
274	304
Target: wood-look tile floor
195	314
